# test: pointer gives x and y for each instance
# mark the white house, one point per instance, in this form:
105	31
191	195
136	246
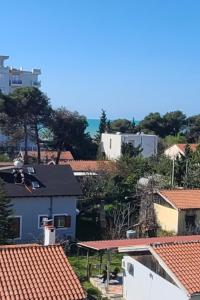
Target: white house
13	78
176	150
162	271
111	143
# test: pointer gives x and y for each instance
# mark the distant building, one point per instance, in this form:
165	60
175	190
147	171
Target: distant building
12	78
176	150
178	210
38	192
111	143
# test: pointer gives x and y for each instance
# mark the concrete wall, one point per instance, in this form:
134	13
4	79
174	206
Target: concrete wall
147	285
111	144
167	218
4	80
30	209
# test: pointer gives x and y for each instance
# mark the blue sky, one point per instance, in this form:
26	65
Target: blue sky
128	57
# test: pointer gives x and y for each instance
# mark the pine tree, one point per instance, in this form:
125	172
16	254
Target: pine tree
103	122
5	212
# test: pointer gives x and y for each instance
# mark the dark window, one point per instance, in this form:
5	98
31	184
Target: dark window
130	269
190	221
41	220
14	227
62	221
110	143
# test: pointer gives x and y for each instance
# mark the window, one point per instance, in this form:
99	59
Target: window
62	221
40	220
190	221
110	143
15	227
130	269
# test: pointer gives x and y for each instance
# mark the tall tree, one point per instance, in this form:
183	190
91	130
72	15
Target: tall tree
24	112
193	129
174	122
122	125
153	123
68	130
5	213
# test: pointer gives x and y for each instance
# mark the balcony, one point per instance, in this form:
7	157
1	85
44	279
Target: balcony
36	83
15	82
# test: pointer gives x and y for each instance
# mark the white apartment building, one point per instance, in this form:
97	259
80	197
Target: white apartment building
111	143
12	78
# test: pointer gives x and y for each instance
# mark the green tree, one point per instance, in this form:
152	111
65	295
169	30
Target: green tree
193	129
153	123
23	113
129	150
174	122
5	213
122	125
68	129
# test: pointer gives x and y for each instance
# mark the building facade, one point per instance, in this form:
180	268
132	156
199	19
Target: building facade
38	192
111	143
13	78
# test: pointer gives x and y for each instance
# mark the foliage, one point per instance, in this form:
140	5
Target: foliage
5	213
122	125
4	157
193	129
172	123
68	130
130	151
170	140
22	115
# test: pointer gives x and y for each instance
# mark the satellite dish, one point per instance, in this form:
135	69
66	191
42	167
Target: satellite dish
18	163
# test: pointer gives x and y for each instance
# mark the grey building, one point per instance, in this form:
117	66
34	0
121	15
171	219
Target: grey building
38	192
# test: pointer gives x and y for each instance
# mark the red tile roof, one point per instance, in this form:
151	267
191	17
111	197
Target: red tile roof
182	199
183	259
37	272
182	147
65	155
88	165
114	244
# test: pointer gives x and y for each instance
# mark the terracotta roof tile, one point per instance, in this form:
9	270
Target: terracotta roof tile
182	147
114	244
65	155
88	165
182	199
183	259
37	272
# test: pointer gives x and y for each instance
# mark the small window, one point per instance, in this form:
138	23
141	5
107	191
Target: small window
40	220
110	143
31	170
62	221
190	221
35	185
130	269
14	227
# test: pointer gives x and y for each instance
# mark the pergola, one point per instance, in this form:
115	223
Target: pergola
125	245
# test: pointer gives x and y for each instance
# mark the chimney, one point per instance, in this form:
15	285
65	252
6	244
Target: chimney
49	233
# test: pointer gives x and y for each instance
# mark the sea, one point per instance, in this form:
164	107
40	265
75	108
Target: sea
93	126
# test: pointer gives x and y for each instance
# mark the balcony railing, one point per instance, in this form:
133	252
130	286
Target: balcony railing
36	83
15	82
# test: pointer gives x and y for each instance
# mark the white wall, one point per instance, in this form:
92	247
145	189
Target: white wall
149	144
147	285
111	145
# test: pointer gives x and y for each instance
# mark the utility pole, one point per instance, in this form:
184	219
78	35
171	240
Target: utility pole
173	166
